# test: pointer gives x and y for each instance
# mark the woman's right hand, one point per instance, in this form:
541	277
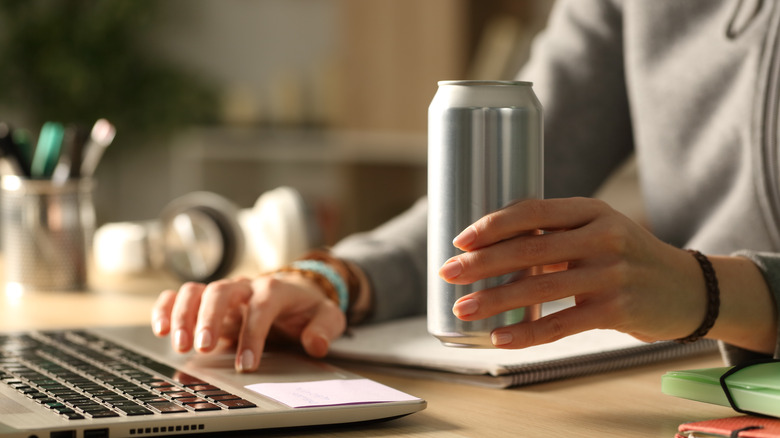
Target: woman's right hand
246	312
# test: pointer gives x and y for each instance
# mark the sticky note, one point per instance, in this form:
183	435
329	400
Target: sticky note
330	392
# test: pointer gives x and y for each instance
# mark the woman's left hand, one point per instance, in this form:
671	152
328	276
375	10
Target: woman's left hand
620	275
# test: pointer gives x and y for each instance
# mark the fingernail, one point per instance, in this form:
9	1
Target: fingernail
318	345
501	338
465	307
160	325
180	340
246	361
322	344
203	339
465	238
451	269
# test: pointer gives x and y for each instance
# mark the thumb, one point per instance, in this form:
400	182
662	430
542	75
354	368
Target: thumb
327	324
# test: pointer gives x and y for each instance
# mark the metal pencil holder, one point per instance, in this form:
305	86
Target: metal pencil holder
46	232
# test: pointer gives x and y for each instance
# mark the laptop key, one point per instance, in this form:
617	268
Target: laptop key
226	396
168	407
92	407
102	413
238	404
198	407
169	389
124	404
135	410
152	400
215	395
73	416
191	400
201	388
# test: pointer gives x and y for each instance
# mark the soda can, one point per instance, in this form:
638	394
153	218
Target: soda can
485	151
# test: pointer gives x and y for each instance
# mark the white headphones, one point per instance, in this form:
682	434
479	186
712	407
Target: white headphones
203	236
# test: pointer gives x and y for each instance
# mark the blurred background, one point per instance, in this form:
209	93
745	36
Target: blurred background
238	97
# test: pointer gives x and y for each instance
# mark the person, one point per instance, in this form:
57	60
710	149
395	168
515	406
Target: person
692	89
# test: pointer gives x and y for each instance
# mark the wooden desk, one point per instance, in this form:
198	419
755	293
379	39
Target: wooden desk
625	403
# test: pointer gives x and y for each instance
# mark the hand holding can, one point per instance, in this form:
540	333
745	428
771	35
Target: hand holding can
485	151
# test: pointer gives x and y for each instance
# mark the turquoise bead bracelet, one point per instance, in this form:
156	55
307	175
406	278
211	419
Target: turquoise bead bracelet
330	274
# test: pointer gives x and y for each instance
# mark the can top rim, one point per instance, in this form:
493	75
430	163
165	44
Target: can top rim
477	82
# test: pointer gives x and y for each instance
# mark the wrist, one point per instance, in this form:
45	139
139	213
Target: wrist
358	289
748	317
362	302
323	277
712	306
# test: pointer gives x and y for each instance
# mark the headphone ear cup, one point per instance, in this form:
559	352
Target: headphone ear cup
122	247
280	228
202	239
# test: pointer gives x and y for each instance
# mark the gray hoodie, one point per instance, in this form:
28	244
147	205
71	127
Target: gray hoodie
690	87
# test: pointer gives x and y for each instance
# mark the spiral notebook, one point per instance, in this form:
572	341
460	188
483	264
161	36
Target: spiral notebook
405	347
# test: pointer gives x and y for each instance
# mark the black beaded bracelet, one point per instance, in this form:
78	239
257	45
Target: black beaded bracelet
713	299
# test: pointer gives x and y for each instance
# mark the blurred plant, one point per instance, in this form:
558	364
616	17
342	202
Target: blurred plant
79	60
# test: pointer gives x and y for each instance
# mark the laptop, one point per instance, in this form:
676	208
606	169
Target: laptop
125	382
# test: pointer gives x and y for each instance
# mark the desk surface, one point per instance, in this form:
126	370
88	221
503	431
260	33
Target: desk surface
623	403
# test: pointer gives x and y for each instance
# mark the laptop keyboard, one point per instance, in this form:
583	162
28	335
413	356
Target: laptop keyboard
78	375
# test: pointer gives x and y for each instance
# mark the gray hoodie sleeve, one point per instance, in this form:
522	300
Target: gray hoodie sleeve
394	258
577	68
769	264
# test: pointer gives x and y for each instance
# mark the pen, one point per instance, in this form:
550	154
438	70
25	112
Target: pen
48	150
22	148
10	162
100	137
70	157
17	149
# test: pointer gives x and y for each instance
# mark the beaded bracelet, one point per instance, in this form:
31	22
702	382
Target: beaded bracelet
713	299
322	271
358	287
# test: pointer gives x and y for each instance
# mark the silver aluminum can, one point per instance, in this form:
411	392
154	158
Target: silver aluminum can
485	151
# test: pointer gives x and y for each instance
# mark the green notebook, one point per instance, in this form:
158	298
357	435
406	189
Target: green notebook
753	388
